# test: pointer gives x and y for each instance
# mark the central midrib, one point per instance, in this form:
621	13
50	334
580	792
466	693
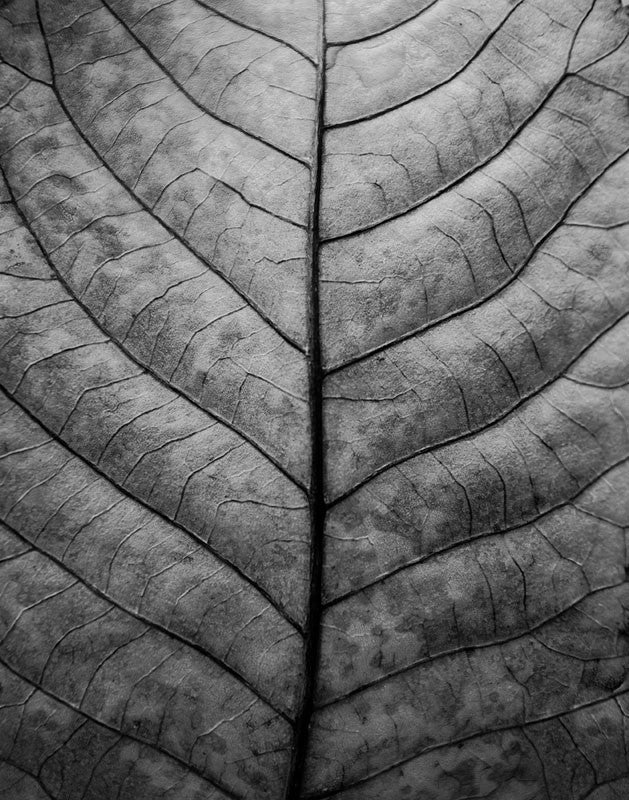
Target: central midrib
316	496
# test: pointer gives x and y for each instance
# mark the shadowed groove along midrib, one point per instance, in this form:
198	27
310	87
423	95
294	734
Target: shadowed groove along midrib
316	492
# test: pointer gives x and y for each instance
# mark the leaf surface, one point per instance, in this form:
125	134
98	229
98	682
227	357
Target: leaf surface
315	400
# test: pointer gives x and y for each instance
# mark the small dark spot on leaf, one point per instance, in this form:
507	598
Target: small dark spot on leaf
465	774
605	676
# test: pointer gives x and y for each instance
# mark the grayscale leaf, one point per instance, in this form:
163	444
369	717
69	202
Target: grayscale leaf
315	400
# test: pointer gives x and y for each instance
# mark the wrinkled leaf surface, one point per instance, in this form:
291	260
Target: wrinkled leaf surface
315	400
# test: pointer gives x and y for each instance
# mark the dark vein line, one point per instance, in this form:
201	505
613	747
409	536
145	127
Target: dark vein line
24	772
497	289
600	58
197	539
444	82
147	369
14	556
296	776
23	72
481	428
147	621
124	734
541	765
579	27
462	739
392	27
175	234
603	86
250	203
469	648
252	28
474	169
204	108
603	784
484	535
598	384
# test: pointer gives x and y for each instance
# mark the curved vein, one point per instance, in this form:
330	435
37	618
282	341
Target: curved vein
197	539
462	739
248	27
499	287
468	648
146	368
392	27
126	735
483	535
381	112
485	426
147	621
250	302
476	168
205	109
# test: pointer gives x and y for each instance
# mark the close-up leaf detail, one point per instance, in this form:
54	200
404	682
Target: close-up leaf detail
315	400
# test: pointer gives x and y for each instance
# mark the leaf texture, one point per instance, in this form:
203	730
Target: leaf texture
315	400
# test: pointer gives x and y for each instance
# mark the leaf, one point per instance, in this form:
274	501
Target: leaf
315	442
